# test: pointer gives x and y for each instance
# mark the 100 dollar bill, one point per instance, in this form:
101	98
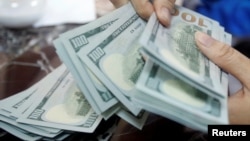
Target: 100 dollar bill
175	50
180	97
115	59
62	106
72	42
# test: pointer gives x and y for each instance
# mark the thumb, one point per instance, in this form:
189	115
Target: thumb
225	56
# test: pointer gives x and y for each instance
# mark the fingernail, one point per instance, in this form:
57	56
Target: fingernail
204	39
165	14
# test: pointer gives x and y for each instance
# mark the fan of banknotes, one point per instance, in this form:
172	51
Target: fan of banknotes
122	65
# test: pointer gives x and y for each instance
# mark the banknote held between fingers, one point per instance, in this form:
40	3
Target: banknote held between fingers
164	10
225	56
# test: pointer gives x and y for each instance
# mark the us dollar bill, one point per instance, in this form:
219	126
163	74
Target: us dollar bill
115	59
28	128
73	42
62	106
170	112
21	134
96	97
175	50
17	104
180	97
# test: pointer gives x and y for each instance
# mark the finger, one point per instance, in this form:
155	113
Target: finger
119	3
163	9
225	57
143	7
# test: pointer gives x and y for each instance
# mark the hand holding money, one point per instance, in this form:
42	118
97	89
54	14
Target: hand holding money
174	50
104	74
228	59
105	58
163	8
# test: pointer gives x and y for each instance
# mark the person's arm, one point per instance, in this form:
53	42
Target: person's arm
145	8
235	63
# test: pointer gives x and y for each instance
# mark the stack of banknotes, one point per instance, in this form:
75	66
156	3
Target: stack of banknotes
48	108
123	65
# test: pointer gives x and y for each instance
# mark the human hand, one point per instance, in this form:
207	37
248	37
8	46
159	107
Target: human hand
162	8
235	63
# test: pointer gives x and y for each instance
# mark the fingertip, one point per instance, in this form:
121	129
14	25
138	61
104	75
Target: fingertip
144	9
164	10
164	16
